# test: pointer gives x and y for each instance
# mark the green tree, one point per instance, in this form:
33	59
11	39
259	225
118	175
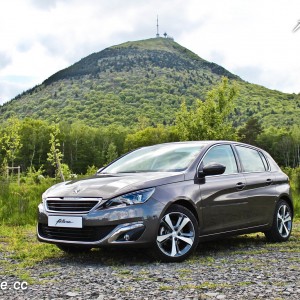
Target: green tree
278	143
11	139
112	153
35	140
150	136
250	131
54	155
80	146
209	119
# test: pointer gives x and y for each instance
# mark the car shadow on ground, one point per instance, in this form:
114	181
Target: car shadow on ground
133	256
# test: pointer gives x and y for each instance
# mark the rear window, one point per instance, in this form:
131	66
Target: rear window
251	160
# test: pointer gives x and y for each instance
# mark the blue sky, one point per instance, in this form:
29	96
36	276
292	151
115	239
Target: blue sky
251	38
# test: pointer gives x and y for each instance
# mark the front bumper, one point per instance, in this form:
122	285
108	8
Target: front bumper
134	224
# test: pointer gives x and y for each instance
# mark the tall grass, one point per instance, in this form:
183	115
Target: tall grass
18	204
294	175
296	198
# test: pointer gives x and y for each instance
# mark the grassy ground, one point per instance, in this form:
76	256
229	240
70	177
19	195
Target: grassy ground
18	204
21	253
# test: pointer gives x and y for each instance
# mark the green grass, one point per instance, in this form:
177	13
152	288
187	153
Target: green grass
21	251
296	199
207	285
18	204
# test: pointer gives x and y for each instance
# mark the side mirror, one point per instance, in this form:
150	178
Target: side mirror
212	169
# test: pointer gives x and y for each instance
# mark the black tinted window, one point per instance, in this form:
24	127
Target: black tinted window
251	159
222	154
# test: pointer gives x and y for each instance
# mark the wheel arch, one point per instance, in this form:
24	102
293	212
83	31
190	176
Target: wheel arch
188	205
289	201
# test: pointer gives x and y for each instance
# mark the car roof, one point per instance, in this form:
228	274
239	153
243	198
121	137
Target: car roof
208	143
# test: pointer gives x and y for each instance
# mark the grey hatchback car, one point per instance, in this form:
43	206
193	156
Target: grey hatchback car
169	197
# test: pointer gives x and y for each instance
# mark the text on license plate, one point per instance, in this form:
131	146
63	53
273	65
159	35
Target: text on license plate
65	221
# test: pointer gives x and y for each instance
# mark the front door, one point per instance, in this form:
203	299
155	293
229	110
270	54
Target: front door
224	202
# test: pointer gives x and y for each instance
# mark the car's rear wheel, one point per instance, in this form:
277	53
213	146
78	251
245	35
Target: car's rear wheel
282	223
177	235
73	249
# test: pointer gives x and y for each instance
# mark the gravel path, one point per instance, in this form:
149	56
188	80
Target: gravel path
243	267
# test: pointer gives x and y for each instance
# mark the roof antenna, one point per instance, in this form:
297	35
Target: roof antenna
157	32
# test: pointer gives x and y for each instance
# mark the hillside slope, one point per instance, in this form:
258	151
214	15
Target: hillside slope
148	78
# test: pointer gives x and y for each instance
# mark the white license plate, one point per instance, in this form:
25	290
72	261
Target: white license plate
65	221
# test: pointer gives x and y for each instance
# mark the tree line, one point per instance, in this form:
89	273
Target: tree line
61	147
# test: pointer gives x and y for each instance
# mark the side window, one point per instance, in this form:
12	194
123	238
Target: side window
251	159
222	154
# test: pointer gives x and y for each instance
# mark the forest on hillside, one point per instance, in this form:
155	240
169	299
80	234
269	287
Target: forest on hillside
27	142
144	79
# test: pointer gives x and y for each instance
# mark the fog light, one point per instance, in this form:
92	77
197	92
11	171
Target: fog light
127	233
131	235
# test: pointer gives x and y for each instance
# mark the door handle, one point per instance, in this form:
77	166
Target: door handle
269	181
240	185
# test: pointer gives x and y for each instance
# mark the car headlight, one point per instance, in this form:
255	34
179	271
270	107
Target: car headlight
137	197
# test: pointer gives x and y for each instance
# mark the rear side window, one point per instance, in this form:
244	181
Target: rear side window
250	159
222	154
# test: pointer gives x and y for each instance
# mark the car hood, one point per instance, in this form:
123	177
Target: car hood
111	185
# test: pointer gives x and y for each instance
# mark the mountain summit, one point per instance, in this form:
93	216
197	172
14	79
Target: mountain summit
143	79
151	53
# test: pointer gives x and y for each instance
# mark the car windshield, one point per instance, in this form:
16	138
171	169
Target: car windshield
158	158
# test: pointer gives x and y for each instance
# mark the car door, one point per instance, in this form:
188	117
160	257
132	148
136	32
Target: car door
260	184
224	203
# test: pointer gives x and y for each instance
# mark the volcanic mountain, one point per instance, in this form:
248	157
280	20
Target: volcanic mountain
143	79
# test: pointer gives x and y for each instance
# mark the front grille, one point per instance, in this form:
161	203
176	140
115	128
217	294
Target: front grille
73	205
86	234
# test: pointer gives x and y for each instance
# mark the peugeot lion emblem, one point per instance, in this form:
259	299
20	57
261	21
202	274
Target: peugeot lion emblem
76	191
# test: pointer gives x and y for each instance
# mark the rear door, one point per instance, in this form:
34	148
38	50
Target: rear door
260	184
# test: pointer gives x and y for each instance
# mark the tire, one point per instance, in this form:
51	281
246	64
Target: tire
73	249
177	235
282	223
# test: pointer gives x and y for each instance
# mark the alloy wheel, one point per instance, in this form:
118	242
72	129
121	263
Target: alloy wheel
284	221
176	234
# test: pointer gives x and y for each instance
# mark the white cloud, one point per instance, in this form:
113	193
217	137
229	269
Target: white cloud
253	35
251	38
5	59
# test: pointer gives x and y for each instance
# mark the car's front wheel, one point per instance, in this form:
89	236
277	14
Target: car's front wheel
177	236
282	223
